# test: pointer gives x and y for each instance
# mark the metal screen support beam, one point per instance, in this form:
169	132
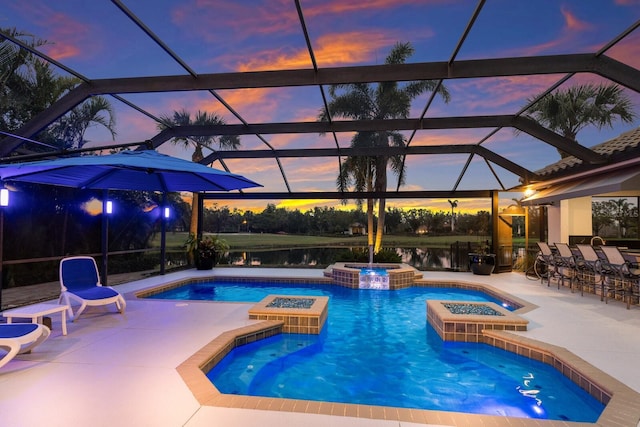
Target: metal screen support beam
105	238
495	209
163	234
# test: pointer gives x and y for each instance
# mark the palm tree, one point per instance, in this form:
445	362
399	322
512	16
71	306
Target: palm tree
69	130
454	204
621	209
18	80
13	59
569	111
183	118
29	85
385	100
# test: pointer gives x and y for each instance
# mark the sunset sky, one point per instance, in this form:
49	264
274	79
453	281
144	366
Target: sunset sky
97	40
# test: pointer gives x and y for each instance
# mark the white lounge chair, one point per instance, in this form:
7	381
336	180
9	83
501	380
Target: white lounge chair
80	283
19	338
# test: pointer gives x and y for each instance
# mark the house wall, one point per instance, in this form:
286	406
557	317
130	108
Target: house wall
570	217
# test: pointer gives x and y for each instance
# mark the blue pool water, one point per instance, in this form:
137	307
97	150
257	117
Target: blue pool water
378	349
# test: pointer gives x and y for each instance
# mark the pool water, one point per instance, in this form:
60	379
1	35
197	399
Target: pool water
378	349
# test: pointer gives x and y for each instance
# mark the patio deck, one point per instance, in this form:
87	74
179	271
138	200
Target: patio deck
114	369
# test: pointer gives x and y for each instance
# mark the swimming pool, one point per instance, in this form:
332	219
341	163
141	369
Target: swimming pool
378	349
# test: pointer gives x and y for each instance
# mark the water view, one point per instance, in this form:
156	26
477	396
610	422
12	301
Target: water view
420	258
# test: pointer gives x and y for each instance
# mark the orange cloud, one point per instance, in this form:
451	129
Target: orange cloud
67	32
342	7
274	17
571	31
329	50
448	137
498	93
572	22
627	51
243	20
255	105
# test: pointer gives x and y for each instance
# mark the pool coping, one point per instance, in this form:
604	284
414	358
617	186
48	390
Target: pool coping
521	306
622	403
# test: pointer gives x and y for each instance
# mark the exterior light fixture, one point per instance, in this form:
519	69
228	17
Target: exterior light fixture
167	212
4	197
109	207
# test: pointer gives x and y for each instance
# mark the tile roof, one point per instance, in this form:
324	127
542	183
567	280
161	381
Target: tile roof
626	145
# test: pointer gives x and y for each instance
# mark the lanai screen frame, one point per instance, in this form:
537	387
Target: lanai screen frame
569	65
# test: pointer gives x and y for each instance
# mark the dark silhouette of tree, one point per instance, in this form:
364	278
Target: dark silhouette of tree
571	110
198	143
384	100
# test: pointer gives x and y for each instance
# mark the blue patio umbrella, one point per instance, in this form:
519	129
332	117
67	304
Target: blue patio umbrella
128	170
145	170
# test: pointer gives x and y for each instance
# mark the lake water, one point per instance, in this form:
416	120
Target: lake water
420	258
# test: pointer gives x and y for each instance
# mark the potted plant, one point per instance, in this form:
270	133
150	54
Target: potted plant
206	251
482	262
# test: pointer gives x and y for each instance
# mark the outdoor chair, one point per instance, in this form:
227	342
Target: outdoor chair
548	257
80	283
565	264
589	268
621	276
18	338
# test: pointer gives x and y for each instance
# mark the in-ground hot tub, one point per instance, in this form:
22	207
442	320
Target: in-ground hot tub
348	274
466	321
301	315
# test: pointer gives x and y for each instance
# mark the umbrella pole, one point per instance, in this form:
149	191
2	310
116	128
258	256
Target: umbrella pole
1	253
200	217
105	236
163	235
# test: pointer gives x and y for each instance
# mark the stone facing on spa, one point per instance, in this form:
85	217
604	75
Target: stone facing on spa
300	315
455	321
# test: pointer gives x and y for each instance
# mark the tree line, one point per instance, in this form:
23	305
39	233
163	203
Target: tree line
615	218
331	221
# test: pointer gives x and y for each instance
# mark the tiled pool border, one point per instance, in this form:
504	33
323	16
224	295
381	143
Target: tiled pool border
295	320
154	290
470	327
622	403
520	305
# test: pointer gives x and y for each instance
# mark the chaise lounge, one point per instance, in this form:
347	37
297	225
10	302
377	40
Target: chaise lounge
80	283
20	338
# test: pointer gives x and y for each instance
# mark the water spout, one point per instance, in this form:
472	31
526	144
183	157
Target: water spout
374	278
